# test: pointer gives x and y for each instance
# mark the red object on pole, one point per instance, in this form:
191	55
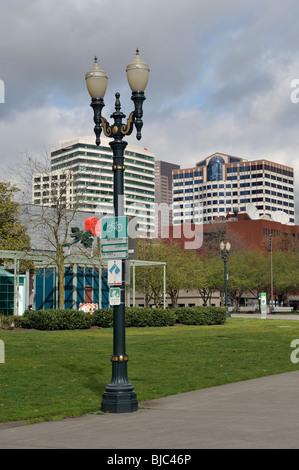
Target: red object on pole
94	225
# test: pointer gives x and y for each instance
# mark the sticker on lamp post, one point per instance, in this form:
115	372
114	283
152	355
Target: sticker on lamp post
114	296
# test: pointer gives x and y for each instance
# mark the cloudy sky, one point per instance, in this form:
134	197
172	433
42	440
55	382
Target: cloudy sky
223	75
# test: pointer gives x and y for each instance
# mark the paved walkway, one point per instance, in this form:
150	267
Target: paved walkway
275	316
261	413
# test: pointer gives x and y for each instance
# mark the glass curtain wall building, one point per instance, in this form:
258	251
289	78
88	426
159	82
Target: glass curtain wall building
221	184
86	170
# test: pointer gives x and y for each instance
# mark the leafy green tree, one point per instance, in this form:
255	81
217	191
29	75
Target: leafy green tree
258	272
13	235
208	277
180	270
149	279
238	276
285	273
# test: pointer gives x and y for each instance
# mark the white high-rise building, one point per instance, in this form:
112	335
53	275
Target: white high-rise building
87	172
221	184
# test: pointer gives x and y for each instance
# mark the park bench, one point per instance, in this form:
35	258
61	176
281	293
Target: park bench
282	309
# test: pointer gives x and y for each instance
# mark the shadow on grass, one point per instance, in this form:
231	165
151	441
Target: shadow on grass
94	379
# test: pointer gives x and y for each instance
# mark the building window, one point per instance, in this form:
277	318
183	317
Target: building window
215	169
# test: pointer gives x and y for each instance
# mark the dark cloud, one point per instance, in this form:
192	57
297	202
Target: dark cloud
219	81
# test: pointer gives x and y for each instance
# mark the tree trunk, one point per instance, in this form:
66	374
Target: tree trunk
157	301
205	295
174	298
60	266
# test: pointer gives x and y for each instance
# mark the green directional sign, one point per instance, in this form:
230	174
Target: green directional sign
116	249
114	227
114	238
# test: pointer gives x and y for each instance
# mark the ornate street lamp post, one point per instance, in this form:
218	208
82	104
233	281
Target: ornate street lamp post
119	395
225	256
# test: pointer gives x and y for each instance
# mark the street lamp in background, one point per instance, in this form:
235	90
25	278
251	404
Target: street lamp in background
271	269
224	249
119	395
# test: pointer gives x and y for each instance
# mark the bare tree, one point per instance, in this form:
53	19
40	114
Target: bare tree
50	209
214	234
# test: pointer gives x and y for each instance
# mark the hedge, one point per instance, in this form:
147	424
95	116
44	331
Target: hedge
68	319
54	319
139	317
201	315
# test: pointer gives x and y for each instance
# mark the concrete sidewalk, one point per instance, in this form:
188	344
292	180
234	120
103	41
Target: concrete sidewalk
270	316
261	413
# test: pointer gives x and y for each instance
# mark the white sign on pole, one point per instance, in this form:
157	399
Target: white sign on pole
114	272
263	305
114	296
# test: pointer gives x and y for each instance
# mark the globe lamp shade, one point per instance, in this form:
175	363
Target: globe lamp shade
96	80
137	73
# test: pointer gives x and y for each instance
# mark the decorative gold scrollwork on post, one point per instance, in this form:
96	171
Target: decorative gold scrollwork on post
106	127
127	128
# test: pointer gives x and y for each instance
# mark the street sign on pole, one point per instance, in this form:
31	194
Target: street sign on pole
114	272
114	296
114	227
263	305
114	238
116	248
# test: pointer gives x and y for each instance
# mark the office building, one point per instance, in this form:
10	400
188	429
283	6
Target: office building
222	184
163	189
84	172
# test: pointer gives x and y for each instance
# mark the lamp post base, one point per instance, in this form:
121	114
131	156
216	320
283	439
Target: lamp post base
124	401
119	395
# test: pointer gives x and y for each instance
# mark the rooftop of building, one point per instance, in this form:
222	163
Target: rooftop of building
90	140
231	159
242	232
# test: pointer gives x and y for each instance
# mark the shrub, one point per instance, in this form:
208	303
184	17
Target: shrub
6	321
138	317
103	317
141	317
201	315
20	321
68	319
149	317
54	319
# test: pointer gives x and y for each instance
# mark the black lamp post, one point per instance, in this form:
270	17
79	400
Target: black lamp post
119	395
225	256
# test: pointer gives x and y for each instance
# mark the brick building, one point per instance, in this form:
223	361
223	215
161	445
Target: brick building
243	231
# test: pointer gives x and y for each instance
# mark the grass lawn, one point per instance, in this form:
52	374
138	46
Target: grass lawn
53	374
